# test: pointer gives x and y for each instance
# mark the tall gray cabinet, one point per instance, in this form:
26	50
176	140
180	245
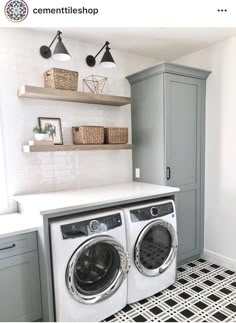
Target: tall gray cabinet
168	133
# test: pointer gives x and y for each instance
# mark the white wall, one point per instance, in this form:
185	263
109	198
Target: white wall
220	182
20	63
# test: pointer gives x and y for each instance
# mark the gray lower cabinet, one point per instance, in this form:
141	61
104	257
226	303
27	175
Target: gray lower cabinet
168	133
20	296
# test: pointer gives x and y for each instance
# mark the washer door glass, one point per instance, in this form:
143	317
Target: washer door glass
155	248
97	269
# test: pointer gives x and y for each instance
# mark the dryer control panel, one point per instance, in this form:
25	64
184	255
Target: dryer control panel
150	212
89	227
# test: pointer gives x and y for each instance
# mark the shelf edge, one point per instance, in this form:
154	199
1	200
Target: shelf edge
33	92
55	148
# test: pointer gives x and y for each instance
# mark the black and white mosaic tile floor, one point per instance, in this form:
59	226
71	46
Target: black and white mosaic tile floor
204	292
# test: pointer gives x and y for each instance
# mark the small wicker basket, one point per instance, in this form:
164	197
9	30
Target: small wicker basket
88	135
116	135
58	78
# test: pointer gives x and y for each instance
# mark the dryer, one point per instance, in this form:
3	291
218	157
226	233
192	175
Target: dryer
152	246
90	263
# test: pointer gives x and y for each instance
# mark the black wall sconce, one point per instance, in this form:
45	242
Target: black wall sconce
107	60
60	53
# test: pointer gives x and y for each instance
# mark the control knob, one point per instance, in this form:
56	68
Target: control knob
154	211
94	225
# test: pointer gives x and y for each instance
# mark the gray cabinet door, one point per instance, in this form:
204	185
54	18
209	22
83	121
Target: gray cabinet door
20	288
148	129
183	106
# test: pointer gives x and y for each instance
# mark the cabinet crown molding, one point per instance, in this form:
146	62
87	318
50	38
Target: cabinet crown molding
171	69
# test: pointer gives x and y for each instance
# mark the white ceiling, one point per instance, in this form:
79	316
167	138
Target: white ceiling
161	43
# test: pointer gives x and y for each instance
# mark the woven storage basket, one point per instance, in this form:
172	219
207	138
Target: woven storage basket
88	135
58	78
116	135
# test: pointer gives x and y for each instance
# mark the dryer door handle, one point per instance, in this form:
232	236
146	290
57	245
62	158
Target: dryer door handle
169	261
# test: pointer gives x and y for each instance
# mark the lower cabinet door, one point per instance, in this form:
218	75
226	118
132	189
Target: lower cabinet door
188	225
20	296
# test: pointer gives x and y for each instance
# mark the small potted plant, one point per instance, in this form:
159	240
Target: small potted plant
39	133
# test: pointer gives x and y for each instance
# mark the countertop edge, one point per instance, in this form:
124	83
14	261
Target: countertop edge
108	203
17	232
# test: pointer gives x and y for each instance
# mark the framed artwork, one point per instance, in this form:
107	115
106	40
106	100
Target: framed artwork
53	128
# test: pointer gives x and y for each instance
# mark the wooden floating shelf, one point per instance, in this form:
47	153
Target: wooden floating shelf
51	148
34	92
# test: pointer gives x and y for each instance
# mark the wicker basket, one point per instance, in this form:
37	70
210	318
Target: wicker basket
88	135
116	135
58	78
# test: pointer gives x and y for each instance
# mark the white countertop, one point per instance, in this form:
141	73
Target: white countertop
16	223
48	203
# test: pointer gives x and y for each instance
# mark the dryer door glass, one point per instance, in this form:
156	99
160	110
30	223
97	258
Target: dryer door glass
97	269
155	248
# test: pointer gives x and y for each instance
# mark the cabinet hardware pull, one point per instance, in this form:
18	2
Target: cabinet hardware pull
12	246
168	173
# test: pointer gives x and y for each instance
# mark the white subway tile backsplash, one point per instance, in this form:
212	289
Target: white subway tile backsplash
40	172
46	167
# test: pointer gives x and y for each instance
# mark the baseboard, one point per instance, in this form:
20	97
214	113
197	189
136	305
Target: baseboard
186	260
219	259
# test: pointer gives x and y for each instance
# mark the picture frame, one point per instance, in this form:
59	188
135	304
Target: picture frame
53	125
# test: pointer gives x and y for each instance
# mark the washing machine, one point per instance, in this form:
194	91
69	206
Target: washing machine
152	246
89	265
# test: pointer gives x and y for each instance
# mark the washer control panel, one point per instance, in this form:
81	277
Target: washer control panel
150	212
89	227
